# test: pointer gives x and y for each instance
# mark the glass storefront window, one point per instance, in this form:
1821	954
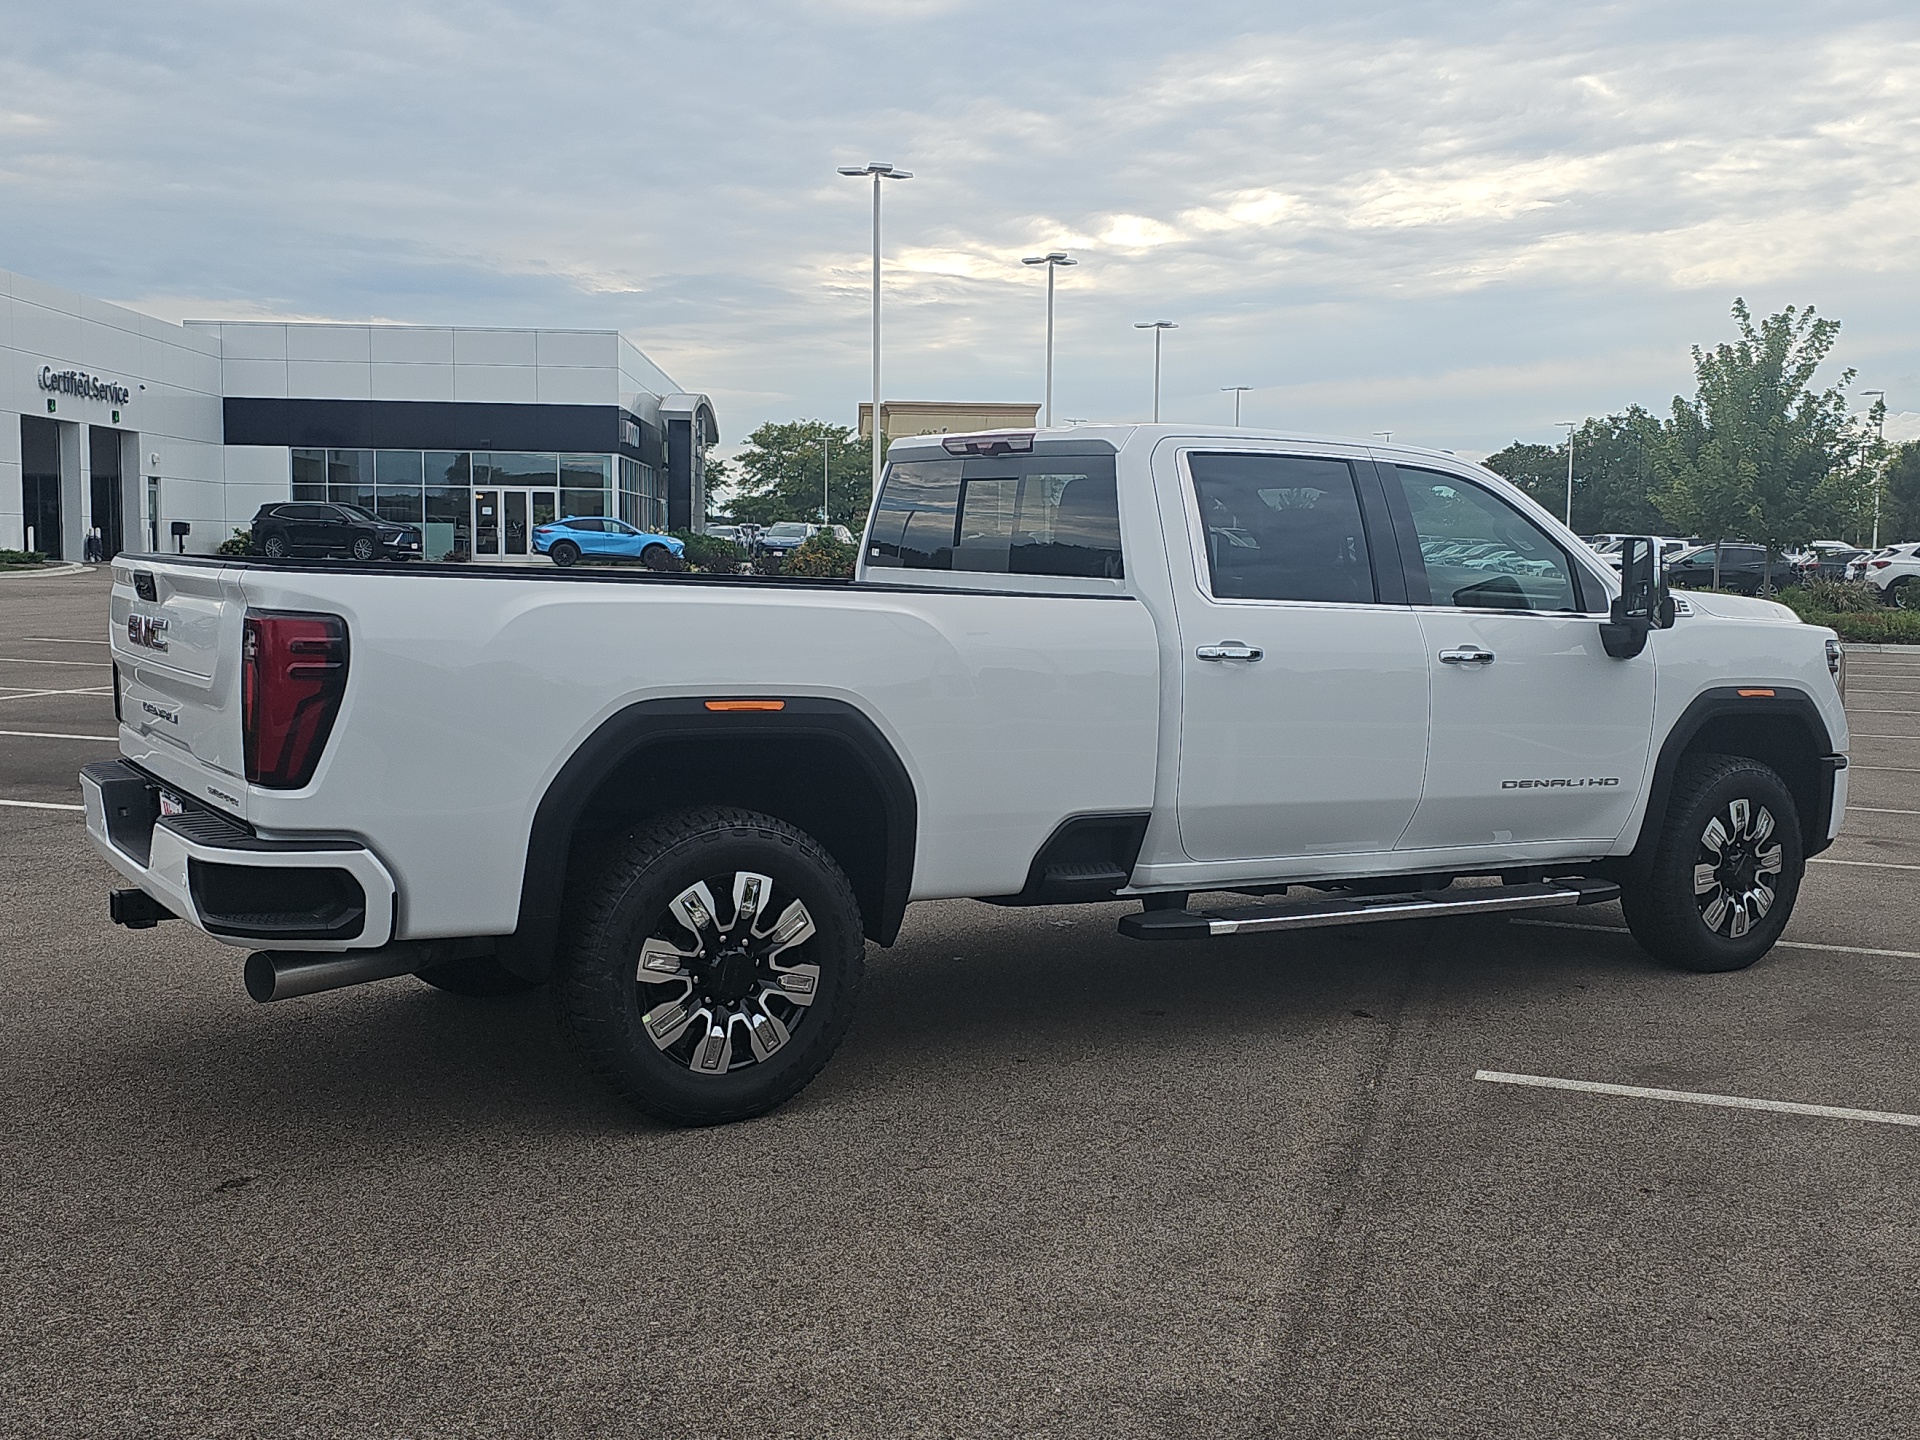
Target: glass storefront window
449	467
505	467
309	475
448	517
350	477
396	467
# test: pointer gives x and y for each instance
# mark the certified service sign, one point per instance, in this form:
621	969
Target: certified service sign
86	387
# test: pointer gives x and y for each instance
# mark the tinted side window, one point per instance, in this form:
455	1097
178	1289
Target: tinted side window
594	525
1480	553
1013	515
1282	527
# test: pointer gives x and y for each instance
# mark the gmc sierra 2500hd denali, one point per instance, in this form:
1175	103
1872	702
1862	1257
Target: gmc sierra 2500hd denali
1078	665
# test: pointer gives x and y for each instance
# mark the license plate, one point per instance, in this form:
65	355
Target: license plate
171	804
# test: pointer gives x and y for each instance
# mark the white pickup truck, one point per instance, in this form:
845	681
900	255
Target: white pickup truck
1131	662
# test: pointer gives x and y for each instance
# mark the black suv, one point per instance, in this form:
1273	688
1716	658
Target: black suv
313	527
1743	568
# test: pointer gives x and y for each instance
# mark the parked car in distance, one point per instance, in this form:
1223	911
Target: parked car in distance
725	532
1894	572
1743	569
604	538
1831	564
1668	549
312	527
777	540
840	533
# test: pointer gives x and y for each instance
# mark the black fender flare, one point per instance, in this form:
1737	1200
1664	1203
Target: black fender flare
651	723
1744	702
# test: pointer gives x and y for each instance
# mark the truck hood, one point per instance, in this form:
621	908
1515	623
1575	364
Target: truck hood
1736	607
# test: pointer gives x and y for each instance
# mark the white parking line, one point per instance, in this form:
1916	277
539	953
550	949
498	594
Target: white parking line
1695	1097
55	735
39	805
35	694
1851	709
1862	735
62	640
1863	864
1779	944
108	665
1876	810
1889	769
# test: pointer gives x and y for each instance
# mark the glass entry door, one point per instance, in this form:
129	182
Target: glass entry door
504	521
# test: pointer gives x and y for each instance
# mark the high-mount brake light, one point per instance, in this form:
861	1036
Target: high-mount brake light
1008	442
293	675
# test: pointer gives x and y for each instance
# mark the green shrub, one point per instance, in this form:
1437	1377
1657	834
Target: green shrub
1879	627
10	559
710	553
822	557
1832	597
240	544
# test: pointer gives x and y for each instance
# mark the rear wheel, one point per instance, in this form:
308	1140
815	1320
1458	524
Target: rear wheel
712	965
564	553
1904	593
274	547
1726	870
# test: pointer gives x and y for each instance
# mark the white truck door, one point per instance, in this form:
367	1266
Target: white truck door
1303	727
1538	734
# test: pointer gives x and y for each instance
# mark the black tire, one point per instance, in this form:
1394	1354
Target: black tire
274	547
363	547
659	557
1682	923
564	553
1904	593
478	976
723	991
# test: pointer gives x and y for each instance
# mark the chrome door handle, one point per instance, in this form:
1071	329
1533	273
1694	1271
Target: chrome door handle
1229	650
1466	655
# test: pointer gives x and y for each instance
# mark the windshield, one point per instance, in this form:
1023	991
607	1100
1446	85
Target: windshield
354	512
787	530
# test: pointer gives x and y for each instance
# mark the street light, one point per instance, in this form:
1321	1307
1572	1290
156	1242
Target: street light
1570	427
1881	426
826	477
1238	391
1157	326
1386	436
879	172
1053	260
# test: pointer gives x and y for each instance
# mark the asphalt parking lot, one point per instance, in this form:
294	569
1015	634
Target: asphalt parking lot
1057	1183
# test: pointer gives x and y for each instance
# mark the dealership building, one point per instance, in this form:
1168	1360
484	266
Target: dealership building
144	434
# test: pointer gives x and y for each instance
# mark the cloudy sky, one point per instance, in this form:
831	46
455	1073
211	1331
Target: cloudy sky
1460	223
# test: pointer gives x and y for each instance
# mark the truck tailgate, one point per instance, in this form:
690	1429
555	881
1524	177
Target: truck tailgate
176	633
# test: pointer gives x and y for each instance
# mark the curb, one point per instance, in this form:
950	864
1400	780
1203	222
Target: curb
72	569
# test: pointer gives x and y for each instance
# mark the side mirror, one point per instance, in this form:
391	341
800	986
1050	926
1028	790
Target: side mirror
1643	604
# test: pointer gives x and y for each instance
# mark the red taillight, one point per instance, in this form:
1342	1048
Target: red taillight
1879	564
293	674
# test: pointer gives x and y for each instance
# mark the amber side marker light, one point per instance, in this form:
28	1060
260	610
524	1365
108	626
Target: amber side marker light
1754	694
724	705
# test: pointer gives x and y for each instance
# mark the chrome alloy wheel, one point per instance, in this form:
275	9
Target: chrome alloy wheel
724	981
1737	869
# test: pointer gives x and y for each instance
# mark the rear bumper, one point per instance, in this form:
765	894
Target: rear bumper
208	868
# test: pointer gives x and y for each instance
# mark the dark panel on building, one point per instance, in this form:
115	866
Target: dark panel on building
428	425
40	485
680	509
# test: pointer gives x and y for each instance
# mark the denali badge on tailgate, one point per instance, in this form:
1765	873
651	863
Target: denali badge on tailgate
147	630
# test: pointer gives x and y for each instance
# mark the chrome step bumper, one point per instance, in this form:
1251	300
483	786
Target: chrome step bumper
1362	909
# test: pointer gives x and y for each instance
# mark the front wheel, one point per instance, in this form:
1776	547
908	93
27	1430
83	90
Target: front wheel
659	557
564	553
1726	870
711	967
363	547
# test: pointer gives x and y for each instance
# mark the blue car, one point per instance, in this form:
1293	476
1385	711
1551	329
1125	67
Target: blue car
565	541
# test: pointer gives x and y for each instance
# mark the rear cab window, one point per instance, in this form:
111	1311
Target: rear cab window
1048	516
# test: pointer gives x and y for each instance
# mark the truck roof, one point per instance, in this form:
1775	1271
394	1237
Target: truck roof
1120	435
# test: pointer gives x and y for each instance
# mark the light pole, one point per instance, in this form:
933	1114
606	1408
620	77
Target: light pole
1157	326
826	477
1570	427
1053	260
1238	391
879	172
1880	425
1386	436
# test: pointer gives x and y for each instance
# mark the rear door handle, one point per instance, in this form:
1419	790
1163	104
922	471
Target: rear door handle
1466	655
1229	650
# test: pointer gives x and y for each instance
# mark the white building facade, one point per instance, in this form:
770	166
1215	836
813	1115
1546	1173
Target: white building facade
136	433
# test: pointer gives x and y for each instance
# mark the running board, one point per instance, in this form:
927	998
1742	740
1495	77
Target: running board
1361	909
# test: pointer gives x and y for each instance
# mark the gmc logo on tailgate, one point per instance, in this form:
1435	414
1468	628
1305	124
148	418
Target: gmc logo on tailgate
147	630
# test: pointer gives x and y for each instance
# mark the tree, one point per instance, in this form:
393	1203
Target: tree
1613	458
778	475
1900	500
1751	456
